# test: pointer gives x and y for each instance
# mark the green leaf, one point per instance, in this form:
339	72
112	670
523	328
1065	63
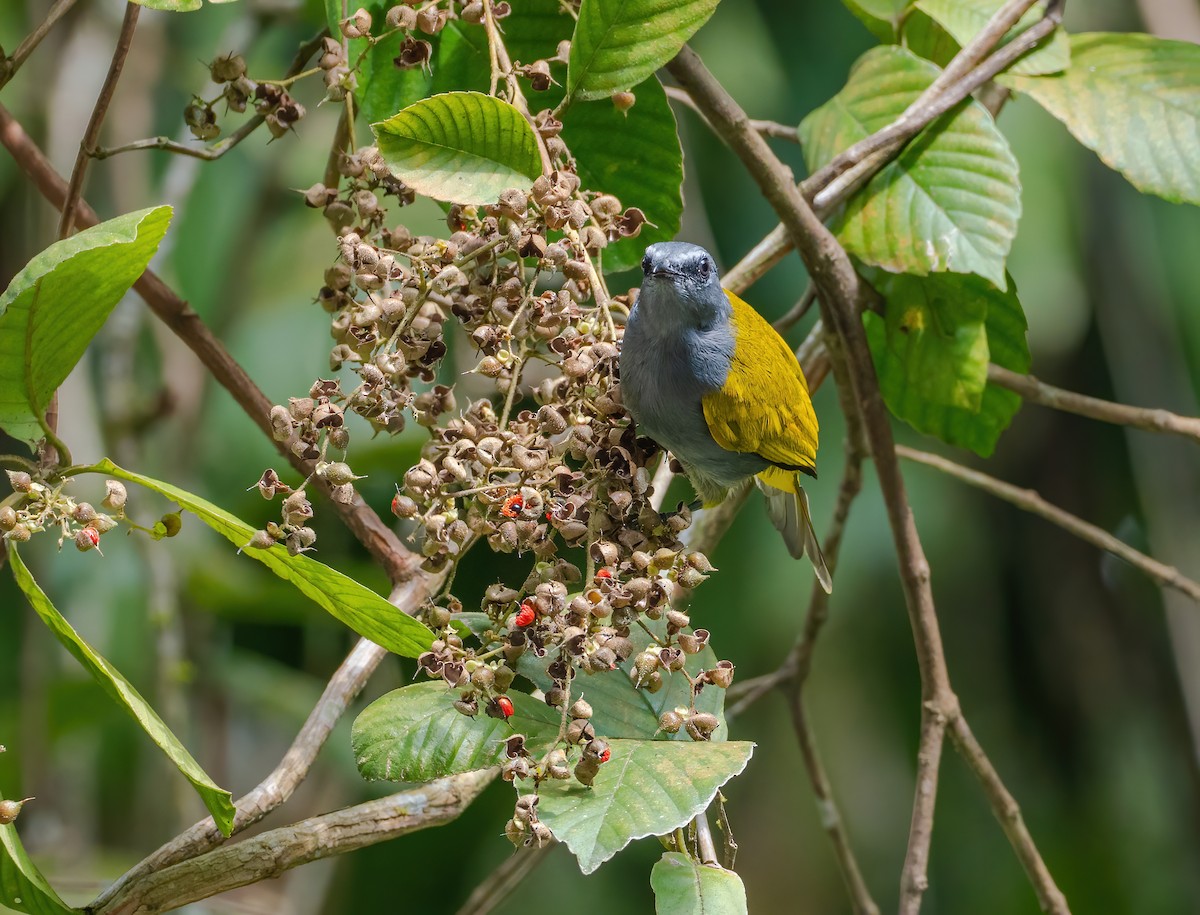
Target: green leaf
879	16
22	886
683	886
619	710
935	343
415	734
963	19
1134	100
647	788
949	202
216	799
354	604
907	396
53	308
619	43
461	147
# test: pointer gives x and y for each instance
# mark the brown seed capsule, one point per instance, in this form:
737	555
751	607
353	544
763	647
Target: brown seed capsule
19	480
587	770
8	518
10	810
580	731
701	725
114	495
515	832
358	25
623	101
581	709
721	675
670	722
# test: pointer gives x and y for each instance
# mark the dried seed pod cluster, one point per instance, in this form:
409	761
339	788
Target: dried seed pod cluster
531	450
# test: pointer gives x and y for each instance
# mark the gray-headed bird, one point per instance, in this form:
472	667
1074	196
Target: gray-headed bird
707	378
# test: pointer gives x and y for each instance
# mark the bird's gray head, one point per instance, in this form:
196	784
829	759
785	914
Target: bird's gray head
681	287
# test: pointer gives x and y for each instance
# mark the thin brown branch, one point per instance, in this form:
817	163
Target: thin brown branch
400	563
797	312
10	66
1029	500
270	854
839	295
827	810
504	880
765	127
218	149
91	134
1005	807
705	847
1152	420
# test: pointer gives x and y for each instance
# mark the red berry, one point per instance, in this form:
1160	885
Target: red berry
604	573
512	506
606	755
93	535
526	615
505	705
395	504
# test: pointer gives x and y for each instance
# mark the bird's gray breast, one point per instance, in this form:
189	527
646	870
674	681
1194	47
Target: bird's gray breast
664	376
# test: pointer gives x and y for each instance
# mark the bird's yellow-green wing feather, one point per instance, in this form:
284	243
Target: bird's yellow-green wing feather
764	407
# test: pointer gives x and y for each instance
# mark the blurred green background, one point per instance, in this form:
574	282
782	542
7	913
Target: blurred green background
1079	678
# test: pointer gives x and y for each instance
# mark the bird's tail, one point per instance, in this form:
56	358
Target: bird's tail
790	515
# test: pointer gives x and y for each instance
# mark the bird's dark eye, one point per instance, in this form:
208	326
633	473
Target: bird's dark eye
646	264
704	269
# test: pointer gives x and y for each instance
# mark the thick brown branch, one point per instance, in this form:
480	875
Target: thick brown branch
1106	411
92	133
838	292
400	563
1030	501
271	853
504	880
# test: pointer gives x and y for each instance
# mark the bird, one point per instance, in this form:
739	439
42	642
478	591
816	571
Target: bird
707	378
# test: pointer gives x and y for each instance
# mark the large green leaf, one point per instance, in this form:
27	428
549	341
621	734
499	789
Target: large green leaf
216	799
647	788
22	886
907	396
1134	100
619	710
935	343
415	734
354	604
53	308
963	19
619	43
461	147
949	202
684	886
